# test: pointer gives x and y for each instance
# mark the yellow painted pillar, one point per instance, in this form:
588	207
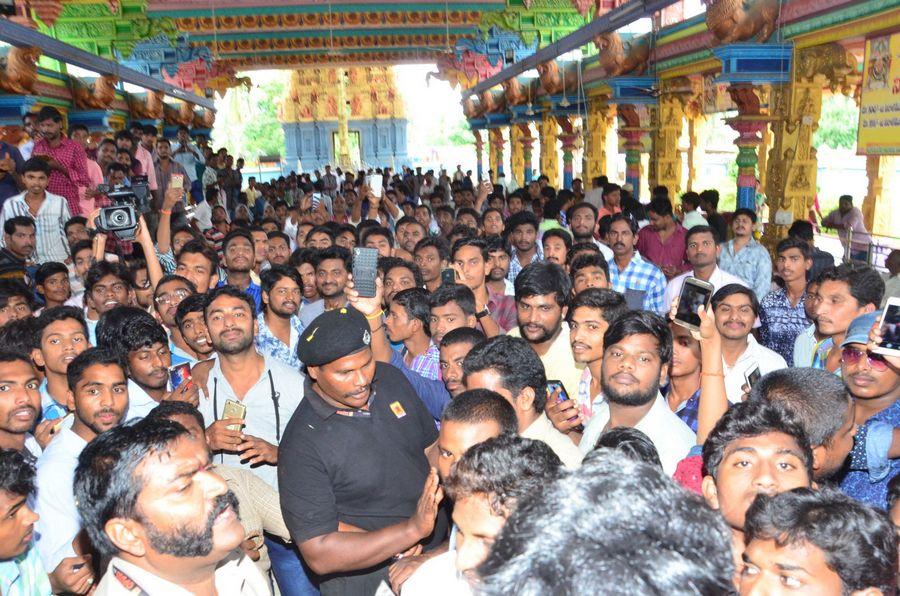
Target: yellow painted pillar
549	130
598	124
516	154
695	151
877	207
666	158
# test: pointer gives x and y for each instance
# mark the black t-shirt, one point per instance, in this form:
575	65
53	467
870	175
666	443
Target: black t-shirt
363	468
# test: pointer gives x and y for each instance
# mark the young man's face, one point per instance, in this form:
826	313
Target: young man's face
829	458
457	437
231	325
702	250
260	246
167	299
493	224
319	240
498	265
76	232
179	239
20	397
791	265
100	398
196	336
514	205
555	250
451	360
539	317
196	268
108	293
470	262
428	259
16	525
742	225
586	331
836	308
284	297
82	261
446	318
279	252
768	464
35	182
478	526
409	235
61	341
399	326
589	277
56	287
870	376
734	317
16	308
621	238
331	278
380	243
792	568
583	223
149	366
523	237
21	242
240	255
346	239
685	352
397	280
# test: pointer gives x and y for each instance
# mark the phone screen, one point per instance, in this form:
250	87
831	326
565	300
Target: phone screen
890	328
374	183
179	374
693	296
553	386
753	376
448	276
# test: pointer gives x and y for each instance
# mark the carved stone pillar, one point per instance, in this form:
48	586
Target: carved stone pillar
526	140
796	107
598	125
479	149
568	139
665	146
497	143
633	134
549	154
876	207
749	124
696	142
516	158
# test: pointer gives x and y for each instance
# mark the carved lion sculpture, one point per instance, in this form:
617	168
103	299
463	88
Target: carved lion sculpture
472	107
492	102
516	93
616	60
152	109
739	20
206	119
552	80
98	96
19	70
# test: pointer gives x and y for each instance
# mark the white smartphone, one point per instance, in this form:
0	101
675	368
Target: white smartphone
890	328
374	183
694	294
752	376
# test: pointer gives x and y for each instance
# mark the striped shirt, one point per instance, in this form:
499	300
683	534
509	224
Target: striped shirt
640	281
52	215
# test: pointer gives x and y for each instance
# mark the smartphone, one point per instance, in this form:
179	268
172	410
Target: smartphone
176	181
316	199
179	374
448	276
234	409
752	376
62	422
563	395
365	269
694	294
890	328
375	183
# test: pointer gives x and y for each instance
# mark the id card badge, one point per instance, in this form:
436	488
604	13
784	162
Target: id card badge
635	298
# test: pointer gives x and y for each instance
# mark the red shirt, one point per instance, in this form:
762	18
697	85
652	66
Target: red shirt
72	157
670	253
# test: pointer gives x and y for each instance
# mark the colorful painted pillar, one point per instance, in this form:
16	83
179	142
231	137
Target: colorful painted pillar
527	142
479	149
567	138
749	124
632	134
516	158
549	130
598	121
496	144
666	158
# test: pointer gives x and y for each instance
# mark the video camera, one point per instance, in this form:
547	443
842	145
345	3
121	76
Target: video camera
129	203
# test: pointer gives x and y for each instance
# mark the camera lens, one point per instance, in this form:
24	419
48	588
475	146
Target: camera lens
119	218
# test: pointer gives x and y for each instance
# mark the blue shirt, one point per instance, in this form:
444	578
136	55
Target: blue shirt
432	393
515	266
640	279
781	323
50	408
253	290
689	409
269	345
752	264
857	482
24	575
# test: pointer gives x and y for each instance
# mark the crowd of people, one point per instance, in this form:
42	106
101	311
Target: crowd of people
212	406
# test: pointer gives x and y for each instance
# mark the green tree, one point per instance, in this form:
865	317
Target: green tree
248	123
838	123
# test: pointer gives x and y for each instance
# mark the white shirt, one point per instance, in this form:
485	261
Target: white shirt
437	577
50	238
805	346
755	354
260	418
669	434
543	430
719	278
55	502
558	361
139	402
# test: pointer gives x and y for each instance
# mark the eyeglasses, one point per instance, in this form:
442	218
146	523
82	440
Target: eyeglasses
852	356
178	295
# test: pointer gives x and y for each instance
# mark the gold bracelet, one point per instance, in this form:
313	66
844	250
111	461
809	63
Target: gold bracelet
712	374
375	316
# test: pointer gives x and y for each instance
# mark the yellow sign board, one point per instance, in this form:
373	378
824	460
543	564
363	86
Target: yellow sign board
879	106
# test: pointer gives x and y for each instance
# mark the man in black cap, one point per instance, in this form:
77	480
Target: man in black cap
352	460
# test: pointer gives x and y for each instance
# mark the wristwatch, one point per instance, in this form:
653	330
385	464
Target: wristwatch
483	313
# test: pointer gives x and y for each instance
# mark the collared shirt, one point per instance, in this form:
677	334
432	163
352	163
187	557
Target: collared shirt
188	159
805	346
8	186
689	409
642	284
584	403
179	356
51	217
269	345
543	430
754	355
557	360
163	177
139	401
852	220
857	482
781	322
365	468
270	402
24	575
503	310
718	279
693	218
603	210
59	521
236	575
515	266
72	157
50	408
752	264
668	253
668	433
253	290
427	364
146	160
433	393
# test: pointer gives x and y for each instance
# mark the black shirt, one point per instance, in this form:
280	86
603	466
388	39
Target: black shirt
718	223
363	468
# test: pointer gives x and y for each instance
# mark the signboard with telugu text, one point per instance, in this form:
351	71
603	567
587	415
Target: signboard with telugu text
879	106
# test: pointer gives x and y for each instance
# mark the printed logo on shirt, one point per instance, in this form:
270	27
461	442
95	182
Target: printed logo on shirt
398	410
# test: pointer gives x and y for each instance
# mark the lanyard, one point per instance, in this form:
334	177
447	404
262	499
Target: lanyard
273	395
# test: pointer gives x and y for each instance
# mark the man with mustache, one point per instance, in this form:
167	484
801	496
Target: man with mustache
240	254
20	405
106	286
18	247
189	318
332	266
269	389
167	295
640	281
148	499
98	398
637	348
542	290
278	323
60	335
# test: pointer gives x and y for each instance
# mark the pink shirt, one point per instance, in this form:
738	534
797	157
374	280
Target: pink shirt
670	253
143	156
95	175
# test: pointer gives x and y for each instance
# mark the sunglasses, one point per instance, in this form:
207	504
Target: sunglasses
852	356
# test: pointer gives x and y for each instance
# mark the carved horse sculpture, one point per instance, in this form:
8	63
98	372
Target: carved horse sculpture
151	110
517	93
552	80
492	102
18	70
98	96
739	20
615	60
